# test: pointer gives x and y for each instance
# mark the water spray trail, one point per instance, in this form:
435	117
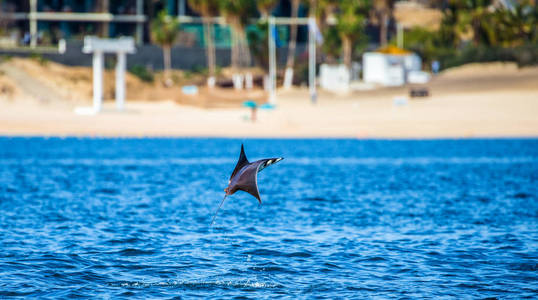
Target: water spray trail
213	220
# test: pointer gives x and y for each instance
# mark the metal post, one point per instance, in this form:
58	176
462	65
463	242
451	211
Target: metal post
180	7
33	23
98	64
312	59
120	81
272	61
139	25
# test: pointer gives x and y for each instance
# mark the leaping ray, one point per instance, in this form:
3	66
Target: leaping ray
245	177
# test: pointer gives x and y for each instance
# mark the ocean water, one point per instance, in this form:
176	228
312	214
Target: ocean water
123	218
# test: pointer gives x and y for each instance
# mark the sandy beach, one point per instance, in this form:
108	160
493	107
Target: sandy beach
491	100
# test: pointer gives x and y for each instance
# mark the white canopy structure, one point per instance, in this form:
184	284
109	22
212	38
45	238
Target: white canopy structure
312	37
99	47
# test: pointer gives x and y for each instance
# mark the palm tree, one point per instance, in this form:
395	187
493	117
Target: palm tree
312	7
104	6
265	7
164	30
237	13
260	41
343	23
326	11
208	9
447	33
383	10
288	76
350	24
473	18
3	21
516	26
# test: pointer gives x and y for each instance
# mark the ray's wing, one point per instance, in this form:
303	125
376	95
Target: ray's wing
243	161
248	180
267	162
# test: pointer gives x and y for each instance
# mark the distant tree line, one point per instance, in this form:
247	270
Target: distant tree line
479	31
470	30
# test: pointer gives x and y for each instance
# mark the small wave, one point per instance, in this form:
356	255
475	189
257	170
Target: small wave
331	265
267	252
522	195
15	294
106	191
272	269
469	285
355	288
196	285
531	266
132	240
299	254
264	252
321	199
375	258
135	252
316	199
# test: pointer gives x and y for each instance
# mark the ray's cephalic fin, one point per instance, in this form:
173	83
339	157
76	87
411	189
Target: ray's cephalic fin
243	161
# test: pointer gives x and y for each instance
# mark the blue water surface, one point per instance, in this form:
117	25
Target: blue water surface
122	218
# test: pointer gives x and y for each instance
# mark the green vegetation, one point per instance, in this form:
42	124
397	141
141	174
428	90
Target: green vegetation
110	62
39	58
381	13
142	72
523	55
164	31
346	38
473	32
350	25
265	7
259	44
5	58
470	31
208	9
237	13
288	77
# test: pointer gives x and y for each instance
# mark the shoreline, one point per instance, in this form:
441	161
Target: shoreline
164	137
476	101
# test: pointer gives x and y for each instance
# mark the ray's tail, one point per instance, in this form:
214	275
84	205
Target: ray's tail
214	216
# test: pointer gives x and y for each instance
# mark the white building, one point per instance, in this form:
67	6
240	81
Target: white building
390	68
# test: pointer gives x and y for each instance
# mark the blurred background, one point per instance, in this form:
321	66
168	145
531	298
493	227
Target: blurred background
242	54
435	29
